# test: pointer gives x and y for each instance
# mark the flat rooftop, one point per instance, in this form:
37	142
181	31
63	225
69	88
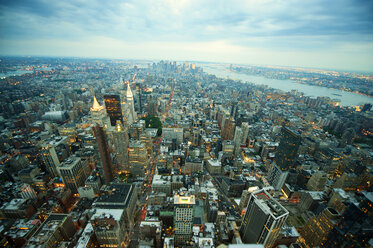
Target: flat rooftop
117	195
179	200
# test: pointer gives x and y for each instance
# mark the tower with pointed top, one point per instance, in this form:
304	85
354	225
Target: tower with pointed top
131	114
97	112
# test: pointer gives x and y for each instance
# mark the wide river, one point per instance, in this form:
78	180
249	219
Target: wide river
345	98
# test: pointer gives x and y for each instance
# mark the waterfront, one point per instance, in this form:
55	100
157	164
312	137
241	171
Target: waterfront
14	73
345	98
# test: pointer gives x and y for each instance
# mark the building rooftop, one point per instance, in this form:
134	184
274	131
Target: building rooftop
180	199
117	195
268	204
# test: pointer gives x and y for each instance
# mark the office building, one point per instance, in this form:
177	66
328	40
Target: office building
50	158
55	229
113	108
138	158
120	196
317	181
277	177
109	227
119	141
288	148
263	219
317	228
105	167
183	218
74	171
173	134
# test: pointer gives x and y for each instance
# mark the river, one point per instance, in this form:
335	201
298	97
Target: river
13	73
345	98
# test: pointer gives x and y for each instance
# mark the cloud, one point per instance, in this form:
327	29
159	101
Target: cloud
292	26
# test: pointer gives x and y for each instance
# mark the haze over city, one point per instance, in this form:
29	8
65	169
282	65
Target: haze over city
319	34
186	124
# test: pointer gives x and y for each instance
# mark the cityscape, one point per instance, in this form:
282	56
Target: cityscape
222	125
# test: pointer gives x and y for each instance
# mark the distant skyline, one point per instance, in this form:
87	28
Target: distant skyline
334	34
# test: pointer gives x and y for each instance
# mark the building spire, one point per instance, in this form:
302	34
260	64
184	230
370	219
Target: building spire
129	92
96	106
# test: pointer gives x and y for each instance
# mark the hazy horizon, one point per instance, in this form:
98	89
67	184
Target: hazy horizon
331	35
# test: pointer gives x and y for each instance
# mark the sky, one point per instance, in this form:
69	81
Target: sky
333	34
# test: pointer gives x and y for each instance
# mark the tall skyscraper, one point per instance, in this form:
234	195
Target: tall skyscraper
183	218
113	108
138	97
263	219
288	148
106	165
50	159
120	145
138	158
97	112
131	114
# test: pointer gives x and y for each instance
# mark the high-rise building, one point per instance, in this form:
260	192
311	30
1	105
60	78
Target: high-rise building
317	229
131	114
113	108
105	167
97	112
109	227
138	158
118	196
263	219
50	159
277	177
354	226
74	171
120	145
138	97
288	148
317	181
183	218
238	135
228	128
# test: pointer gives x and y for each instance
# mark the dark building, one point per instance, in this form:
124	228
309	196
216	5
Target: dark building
106	164
263	219
113	109
288	148
138	98
355	226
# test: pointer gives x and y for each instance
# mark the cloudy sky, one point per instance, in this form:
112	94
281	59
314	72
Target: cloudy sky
334	34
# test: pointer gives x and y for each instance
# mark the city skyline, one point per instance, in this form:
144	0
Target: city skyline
323	34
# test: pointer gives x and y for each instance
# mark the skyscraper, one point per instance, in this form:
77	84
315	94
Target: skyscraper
288	148
183	218
50	159
263	219
97	112
113	108
74	172
131	114
106	164
138	97
138	158
120	145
